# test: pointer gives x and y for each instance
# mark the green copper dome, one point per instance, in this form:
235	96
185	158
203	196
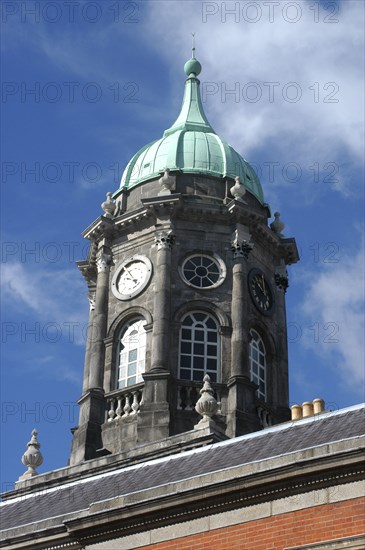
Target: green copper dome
190	146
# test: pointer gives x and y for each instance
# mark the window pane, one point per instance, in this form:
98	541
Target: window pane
200	316
211	364
199	349
212	336
132	369
212	350
211	324
185	347
132	356
199	335
185	361
132	381
185	374
198	362
188	321
213	376
198	375
186	334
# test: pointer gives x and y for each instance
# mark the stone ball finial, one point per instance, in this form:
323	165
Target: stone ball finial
206	405
192	67
108	206
238	190
166	182
32	458
277	225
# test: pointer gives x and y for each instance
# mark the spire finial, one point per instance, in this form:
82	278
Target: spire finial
193	45
192	67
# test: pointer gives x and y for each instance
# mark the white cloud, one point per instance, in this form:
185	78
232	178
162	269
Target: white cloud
54	295
312	55
334	306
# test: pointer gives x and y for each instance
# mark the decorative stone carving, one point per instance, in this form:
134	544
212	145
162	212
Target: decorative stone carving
166	182
32	458
282	280
164	239
103	263
238	190
277	225
108	206
207	405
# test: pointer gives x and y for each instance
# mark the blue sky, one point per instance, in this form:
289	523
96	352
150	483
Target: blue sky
282	83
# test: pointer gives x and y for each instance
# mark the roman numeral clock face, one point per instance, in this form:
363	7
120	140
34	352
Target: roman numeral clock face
261	292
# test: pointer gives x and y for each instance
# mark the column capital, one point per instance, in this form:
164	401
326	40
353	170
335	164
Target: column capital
282	280
164	239
103	262
241	249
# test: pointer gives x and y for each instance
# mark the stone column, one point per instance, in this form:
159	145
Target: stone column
239	340
281	394
87	436
154	416
85	384
99	325
164	241
241	416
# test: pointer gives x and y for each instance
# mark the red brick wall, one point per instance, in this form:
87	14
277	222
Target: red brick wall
316	524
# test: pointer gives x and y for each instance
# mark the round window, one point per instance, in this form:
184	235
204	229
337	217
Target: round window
203	271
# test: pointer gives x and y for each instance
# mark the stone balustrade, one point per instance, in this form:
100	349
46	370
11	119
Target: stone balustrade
124	403
188	393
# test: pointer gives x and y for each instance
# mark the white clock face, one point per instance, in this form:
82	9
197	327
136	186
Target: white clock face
131	277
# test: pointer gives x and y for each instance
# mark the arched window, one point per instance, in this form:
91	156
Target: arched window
199	347
131	353
258	363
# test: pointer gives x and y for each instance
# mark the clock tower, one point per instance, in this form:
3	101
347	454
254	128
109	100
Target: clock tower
187	283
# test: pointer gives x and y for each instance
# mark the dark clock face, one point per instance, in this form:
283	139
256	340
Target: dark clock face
261	292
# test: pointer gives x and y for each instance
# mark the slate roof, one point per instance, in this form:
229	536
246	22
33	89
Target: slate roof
269	443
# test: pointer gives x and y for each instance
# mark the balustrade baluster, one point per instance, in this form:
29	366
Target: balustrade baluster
127	406
119	408
111	413
135	404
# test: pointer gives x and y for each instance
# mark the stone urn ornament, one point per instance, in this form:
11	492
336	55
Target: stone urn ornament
108	206
166	182
277	225
238	190
32	458
206	405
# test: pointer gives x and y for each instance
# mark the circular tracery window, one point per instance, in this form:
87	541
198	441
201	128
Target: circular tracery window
203	271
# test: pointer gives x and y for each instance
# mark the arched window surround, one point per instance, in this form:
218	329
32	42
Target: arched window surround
112	343
131	353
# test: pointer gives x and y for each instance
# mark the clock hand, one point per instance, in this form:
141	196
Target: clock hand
263	288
